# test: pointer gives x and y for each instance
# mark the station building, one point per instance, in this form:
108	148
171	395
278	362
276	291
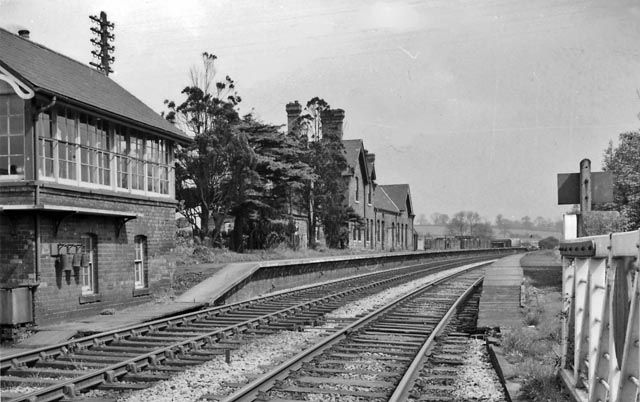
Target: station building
386	211
87	203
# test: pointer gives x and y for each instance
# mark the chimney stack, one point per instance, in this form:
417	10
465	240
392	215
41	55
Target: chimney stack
371	158
24	33
332	120
293	117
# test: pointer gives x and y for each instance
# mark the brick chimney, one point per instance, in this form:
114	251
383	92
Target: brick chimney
371	158
294	109
24	33
332	120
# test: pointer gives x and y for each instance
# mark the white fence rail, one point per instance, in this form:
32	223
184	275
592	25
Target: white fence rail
601	317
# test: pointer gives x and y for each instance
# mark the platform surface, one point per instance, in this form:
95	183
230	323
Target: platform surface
500	300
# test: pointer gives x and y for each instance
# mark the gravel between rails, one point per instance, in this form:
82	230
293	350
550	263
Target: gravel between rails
477	381
258	355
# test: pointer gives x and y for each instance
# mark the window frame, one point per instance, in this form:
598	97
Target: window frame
9	134
140	263
94	157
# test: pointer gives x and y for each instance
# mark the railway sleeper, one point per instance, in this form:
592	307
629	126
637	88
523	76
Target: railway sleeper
123	386
90	358
71	365
331	391
131	349
184	331
356	356
344	381
306	368
388	350
380	341
143	344
402	331
145	377
446	358
420	328
332	363
155	338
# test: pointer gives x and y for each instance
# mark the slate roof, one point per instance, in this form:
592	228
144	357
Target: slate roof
352	149
46	70
433	230
400	195
381	200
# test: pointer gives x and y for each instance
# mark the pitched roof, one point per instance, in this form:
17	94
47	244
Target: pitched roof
381	200
353	149
44	69
400	195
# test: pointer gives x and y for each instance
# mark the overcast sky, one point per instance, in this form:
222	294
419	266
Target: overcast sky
476	104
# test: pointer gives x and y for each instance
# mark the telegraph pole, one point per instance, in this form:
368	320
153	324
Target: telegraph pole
103	31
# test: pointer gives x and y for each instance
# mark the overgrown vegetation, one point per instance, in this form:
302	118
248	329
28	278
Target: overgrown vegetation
624	162
534	348
247	171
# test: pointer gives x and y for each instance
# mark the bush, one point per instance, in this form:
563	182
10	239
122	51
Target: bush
549	243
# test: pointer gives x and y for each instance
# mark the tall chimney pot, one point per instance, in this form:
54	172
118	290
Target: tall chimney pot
294	109
24	33
332	120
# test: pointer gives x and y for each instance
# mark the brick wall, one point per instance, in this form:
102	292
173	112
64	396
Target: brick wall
58	295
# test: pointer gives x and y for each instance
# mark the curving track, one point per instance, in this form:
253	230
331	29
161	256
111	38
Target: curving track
380	356
117	360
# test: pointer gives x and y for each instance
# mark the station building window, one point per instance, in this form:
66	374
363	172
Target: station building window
140	265
11	136
357	189
88	151
90	267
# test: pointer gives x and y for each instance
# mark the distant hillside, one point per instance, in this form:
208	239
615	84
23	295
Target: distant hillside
441	230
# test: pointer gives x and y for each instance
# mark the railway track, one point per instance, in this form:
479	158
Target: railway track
134	357
384	356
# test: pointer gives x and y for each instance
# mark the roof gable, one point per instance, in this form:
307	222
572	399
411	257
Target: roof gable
49	71
381	200
401	196
355	157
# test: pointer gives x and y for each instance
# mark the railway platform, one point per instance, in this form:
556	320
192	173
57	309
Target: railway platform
500	304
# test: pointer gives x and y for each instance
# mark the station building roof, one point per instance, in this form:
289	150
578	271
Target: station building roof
47	71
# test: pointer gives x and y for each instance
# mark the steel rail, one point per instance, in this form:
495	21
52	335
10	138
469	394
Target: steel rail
71	387
406	382
7	362
250	392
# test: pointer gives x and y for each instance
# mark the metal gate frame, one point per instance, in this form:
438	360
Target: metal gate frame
601	317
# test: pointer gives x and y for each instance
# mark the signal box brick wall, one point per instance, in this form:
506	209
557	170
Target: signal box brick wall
58	295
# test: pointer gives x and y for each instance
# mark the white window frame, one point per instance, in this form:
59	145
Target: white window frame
139	263
89	282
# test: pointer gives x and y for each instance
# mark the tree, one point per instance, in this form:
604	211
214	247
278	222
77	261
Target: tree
501	224
526	222
439	219
204	166
266	179
483	230
473	220
458	224
624	162
325	195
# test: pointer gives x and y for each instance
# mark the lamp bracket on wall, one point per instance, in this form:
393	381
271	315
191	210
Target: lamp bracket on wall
121	221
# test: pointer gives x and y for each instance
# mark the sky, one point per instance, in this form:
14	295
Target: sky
477	104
